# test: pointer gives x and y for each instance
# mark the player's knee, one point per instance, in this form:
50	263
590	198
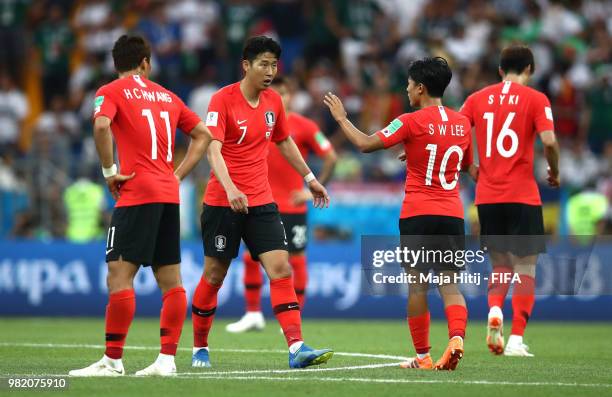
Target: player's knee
118	281
279	270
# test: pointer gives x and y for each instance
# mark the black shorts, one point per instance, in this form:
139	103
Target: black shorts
512	227
296	230
261	229
147	234
435	234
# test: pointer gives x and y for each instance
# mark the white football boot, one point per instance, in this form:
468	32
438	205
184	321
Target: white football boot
251	321
105	367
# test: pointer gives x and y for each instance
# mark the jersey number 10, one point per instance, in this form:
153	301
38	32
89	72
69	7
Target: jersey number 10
166	117
432	149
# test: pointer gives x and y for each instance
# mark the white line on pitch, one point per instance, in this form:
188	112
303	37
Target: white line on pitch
286	371
382	380
91	346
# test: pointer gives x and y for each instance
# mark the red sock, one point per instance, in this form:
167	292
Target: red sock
456	315
252	283
419	329
286	308
498	287
203	307
523	298
300	277
171	319
119	315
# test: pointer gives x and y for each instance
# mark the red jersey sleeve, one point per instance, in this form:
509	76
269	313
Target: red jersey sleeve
468	156
104	105
281	129
542	114
216	117
317	141
397	131
468	109
188	119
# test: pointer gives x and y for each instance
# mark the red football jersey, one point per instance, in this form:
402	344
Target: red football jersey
506	117
437	141
245	132
144	119
284	180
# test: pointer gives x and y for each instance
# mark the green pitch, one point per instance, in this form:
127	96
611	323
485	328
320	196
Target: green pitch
571	359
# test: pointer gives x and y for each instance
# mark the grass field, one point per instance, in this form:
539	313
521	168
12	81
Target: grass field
571	359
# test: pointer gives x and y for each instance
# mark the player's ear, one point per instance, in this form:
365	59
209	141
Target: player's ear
528	70
501	72
245	65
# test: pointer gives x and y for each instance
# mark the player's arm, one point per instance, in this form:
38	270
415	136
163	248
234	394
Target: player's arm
365	143
200	139
551	152
238	201
292	154
104	146
329	163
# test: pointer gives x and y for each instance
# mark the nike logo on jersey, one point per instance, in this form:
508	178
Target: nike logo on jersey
241	121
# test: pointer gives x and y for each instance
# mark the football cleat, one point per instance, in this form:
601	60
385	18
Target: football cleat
305	357
452	355
495	331
517	350
251	321
104	367
157	369
418	363
201	359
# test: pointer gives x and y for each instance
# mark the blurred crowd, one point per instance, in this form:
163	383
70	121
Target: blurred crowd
56	53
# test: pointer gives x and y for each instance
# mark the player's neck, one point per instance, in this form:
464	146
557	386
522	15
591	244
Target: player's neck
516	78
429	101
131	73
249	92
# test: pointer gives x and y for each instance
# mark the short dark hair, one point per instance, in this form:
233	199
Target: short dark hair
516	58
280	80
129	51
433	73
258	45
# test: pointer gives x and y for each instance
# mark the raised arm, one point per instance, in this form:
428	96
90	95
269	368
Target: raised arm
238	201
200	139
365	143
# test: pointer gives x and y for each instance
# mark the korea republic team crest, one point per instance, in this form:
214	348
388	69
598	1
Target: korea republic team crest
270	121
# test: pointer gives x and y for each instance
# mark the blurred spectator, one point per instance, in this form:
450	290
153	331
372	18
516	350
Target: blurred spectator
85	203
203	92
13	110
198	20
578	166
165	39
54	39
597	117
12	23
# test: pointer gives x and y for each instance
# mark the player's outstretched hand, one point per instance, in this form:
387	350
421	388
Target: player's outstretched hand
238	201
320	198
114	183
299	197
553	180
335	106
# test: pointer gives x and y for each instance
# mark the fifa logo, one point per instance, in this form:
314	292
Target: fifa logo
220	242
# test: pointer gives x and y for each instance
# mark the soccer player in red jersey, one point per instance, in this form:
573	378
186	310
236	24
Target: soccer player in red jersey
238	204
141	117
291	197
437	143
506	117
